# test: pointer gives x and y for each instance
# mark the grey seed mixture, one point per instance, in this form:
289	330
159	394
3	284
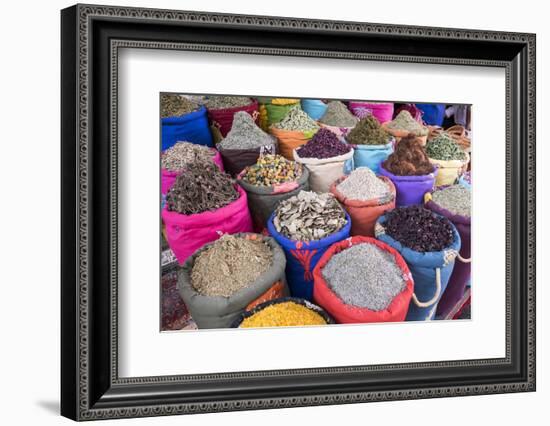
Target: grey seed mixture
176	105
244	134
178	156
224	102
338	114
229	265
309	216
362	184
297	120
364	276
455	198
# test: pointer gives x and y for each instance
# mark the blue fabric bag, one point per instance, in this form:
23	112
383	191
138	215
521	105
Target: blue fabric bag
371	156
192	127
433	113
314	108
302	256
427	269
462	181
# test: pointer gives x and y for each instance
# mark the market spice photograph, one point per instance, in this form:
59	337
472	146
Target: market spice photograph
280	212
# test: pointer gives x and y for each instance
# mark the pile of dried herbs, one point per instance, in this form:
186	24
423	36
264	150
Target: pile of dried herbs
362	184
444	147
324	144
202	187
309	216
408	159
244	134
178	156
454	198
368	132
404	121
338	115
229	265
297	120
272	170
225	102
176	106
419	229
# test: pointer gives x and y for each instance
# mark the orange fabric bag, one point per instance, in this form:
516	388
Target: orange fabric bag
290	139
365	213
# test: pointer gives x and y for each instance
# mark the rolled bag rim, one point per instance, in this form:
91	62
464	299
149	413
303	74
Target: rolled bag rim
343	130
299	300
233	110
436	208
176	173
369	147
278	101
363	203
310	245
400	133
429	259
207	217
320	161
274	143
294	134
252	292
181	119
451	164
258	190
339	247
411	178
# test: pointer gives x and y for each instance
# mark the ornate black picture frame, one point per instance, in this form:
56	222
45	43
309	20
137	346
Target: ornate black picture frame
91	37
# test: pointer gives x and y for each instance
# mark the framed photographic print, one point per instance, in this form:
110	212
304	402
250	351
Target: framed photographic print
263	212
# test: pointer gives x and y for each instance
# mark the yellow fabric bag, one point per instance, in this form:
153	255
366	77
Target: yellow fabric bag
449	170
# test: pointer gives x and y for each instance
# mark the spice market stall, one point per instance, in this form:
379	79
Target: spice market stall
361	211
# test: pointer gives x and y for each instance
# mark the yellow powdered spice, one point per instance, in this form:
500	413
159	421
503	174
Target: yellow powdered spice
283	314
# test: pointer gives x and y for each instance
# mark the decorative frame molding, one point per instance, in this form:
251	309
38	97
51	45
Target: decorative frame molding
85	396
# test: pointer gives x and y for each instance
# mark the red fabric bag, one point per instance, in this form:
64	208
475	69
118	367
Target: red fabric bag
348	314
223	118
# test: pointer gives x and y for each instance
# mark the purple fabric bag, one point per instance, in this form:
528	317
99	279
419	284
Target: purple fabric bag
461	272
410	189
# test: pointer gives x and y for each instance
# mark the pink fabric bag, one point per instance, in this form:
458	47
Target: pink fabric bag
167	178
383	112
187	233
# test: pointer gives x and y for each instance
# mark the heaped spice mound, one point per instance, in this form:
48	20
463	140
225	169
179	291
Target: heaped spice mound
338	115
202	187
176	106
454	198
272	170
364	276
444	147
297	120
409	159
368	132
405	122
180	155
309	216
285	314
324	144
419	229
229	265
225	102
244	134
363	185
